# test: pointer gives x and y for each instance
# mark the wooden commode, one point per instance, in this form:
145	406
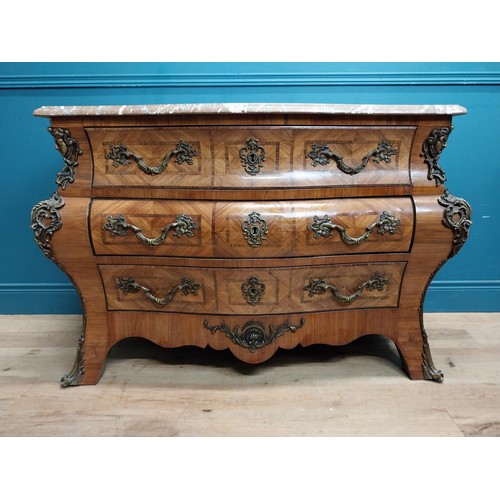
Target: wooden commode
251	227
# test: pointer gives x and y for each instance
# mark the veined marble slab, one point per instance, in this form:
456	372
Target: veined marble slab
239	108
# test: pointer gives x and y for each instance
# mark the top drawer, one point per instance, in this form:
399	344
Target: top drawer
245	157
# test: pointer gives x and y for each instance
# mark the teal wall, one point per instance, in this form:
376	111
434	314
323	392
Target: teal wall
31	284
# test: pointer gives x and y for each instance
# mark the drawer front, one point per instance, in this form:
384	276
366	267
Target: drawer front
252	291
252	230
152	227
152	157
260	157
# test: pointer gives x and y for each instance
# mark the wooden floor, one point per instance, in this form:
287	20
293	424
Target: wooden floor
356	390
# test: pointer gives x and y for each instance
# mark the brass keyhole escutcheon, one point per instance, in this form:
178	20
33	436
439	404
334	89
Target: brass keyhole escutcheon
254	229
252	159
252	156
253	290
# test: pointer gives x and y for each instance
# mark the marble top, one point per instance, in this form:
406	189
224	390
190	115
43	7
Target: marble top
239	108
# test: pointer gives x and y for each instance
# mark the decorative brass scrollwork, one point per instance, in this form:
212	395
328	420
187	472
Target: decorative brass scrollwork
186	286
252	156
75	376
319	286
253	334
70	151
321	155
254	229
121	156
45	221
253	290
323	226
182	226
432	148
428	368
457	217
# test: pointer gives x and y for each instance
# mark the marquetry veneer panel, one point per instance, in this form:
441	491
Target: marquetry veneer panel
284	290
216	156
292	229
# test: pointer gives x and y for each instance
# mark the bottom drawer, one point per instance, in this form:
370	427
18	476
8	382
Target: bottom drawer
252	291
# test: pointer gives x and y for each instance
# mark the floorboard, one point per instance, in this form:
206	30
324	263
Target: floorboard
355	390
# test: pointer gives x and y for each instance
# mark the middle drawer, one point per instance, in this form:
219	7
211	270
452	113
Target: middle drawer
251	230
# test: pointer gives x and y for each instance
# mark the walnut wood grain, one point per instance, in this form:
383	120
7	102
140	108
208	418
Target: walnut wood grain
218	194
221	289
74	255
219	227
332	328
218	163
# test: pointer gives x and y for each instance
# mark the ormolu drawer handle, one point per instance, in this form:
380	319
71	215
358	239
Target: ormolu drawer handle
319	286
323	226
321	155
183	225
186	286
121	155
